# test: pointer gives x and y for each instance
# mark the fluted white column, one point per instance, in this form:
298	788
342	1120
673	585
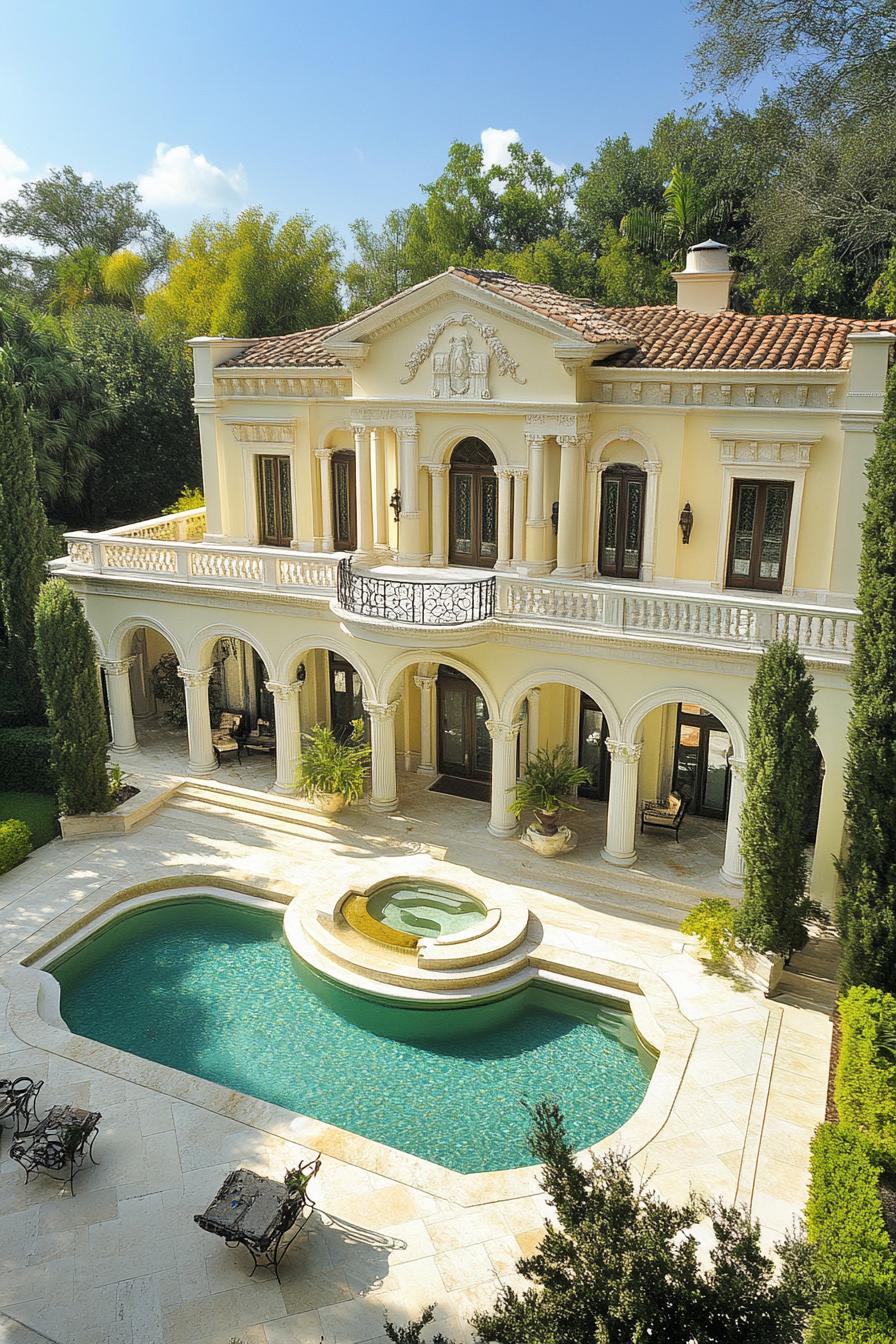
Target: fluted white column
534	702
648	547
323	456
438	474
288	728
502	822
569	527
733	864
505	514
380	494
520	482
363	494
622	809
384	787
121	709
426	685
410	531
199	723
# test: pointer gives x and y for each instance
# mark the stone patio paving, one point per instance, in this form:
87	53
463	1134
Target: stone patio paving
123	1262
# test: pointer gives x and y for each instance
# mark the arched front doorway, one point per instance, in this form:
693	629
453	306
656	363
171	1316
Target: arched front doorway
473	506
346	696
701	769
621	529
464	743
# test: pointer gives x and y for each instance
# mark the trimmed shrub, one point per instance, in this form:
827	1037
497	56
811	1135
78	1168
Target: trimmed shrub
854	1259
25	759
66	660
865	1086
15	844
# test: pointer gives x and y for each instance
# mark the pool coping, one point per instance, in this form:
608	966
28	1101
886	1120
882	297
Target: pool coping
33	1015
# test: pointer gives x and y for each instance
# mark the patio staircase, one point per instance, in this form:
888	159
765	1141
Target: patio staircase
811	976
631	894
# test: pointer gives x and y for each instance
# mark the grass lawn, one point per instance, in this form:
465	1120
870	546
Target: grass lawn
37	810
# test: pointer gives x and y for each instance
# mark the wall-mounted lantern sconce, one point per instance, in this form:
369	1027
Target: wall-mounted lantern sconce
301	674
395	503
686	522
555	515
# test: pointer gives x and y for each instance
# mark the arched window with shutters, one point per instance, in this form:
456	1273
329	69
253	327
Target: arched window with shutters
621	527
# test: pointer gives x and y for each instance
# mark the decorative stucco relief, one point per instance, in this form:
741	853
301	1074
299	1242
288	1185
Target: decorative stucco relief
751	450
453	369
777	395
262	433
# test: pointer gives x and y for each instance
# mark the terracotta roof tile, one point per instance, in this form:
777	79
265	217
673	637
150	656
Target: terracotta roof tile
660	337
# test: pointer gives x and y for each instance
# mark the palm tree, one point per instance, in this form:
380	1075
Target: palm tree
690	215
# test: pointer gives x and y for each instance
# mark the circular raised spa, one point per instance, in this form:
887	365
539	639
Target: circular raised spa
424	909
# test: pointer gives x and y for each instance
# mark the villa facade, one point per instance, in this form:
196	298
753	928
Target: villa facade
487	517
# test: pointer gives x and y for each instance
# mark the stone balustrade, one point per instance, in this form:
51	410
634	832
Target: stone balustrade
162	549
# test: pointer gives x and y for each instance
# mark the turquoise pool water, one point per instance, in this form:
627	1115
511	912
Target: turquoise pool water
424	910
213	988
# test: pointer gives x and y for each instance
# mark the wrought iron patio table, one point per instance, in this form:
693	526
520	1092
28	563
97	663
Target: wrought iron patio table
58	1144
257	1212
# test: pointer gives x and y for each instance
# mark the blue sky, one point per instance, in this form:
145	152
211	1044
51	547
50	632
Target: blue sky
342	109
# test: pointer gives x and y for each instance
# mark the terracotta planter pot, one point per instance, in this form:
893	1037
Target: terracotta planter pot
329	803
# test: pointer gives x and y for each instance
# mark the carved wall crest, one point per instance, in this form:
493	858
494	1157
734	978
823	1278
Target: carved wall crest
461	371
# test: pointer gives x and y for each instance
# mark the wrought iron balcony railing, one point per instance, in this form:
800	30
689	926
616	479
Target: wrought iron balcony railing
415	601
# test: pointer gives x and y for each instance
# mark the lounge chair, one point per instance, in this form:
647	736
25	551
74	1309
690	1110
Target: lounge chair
665	816
227	738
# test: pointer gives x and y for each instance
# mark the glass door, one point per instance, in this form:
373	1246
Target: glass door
465	748
346	697
702	772
345	533
760	521
274	501
473	506
593	754
621	521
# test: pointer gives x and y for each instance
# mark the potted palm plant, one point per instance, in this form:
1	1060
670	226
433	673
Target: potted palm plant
550	782
331	772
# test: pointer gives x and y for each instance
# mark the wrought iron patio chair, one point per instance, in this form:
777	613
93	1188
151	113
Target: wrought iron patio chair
58	1144
18	1098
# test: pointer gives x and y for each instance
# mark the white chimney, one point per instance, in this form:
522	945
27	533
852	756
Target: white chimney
704	285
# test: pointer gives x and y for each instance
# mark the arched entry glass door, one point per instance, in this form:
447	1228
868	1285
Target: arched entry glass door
593	754
702	771
473	509
623	489
465	748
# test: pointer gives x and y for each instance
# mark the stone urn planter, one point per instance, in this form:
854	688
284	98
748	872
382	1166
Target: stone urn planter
549	844
329	803
762	969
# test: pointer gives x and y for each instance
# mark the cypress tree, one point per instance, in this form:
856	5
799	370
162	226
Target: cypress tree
23	537
781	766
66	659
866	911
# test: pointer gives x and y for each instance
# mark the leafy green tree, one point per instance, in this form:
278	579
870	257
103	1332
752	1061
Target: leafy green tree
627	277
23	527
63	213
781	771
66	659
77	279
881	301
866	912
124	275
390	259
251	277
620	177
66	407
556	261
620	1266
147	382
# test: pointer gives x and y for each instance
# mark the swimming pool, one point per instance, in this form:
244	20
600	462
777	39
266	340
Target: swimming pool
424	909
211	987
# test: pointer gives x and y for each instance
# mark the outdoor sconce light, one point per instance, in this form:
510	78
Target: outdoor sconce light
395	503
301	674
686	522
555	515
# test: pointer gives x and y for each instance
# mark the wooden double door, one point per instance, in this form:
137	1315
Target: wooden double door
621	533
473	506
274	494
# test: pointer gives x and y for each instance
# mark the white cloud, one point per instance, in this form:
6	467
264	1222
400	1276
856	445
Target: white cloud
13	171
179	177
496	147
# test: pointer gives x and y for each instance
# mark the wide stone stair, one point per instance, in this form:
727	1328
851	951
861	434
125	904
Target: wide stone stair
811	976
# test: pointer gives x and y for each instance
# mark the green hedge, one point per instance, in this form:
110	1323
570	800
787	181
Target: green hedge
854	1257
15	844
25	759
865	1085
